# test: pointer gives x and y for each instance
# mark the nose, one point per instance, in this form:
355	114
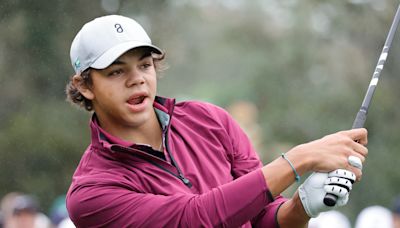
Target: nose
135	77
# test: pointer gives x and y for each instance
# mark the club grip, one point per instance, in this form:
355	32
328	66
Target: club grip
330	200
360	119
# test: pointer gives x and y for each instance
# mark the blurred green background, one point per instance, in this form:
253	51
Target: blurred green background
303	66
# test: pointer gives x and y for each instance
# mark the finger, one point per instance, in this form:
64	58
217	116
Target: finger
341	182
356	171
358	175
357	156
343	201
360	135
342	173
349	169
336	190
359	148
364	139
355	161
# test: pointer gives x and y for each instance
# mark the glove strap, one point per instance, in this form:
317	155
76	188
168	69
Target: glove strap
297	176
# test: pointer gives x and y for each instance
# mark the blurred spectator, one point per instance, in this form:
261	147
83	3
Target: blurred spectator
66	223
374	217
1	219
330	219
22	211
58	210
7	205
396	212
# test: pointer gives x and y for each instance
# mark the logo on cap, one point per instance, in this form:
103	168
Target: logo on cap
77	63
119	28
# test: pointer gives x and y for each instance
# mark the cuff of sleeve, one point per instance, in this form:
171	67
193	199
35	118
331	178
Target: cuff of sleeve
276	214
269	215
242	199
263	183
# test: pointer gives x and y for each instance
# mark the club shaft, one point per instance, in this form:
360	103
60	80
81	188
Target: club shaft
362	113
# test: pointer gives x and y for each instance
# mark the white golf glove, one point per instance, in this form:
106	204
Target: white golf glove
315	187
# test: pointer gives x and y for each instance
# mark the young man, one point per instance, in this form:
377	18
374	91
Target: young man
156	163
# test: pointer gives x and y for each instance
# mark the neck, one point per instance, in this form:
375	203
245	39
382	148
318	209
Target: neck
149	133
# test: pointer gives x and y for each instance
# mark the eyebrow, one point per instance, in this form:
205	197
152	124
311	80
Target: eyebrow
119	62
145	55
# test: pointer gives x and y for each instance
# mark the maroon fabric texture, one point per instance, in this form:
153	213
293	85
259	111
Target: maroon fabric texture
119	186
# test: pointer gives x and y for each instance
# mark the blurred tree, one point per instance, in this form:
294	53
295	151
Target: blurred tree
305	64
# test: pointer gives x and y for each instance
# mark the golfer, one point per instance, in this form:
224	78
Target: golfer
153	162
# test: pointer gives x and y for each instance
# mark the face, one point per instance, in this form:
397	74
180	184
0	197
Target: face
396	220
23	219
123	93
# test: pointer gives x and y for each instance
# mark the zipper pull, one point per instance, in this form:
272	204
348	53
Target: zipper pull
185	181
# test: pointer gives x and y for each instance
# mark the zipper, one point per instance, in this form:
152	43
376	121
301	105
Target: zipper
179	176
174	163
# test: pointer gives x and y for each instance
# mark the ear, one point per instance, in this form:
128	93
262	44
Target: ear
84	89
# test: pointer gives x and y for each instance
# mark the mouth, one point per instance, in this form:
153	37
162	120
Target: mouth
136	100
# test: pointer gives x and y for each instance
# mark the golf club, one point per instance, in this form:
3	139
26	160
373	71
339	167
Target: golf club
330	199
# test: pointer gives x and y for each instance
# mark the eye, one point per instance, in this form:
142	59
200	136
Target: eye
116	72
146	65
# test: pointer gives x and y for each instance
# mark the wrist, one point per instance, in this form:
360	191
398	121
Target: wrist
299	206
301	159
292	213
297	175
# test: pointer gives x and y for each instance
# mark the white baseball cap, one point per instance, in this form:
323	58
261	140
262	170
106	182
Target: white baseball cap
101	41
374	217
330	219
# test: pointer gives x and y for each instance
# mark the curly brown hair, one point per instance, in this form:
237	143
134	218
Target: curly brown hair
75	97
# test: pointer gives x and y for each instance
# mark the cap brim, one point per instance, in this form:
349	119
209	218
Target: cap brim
112	54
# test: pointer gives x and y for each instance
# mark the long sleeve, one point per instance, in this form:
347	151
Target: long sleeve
268	216
229	205
244	160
